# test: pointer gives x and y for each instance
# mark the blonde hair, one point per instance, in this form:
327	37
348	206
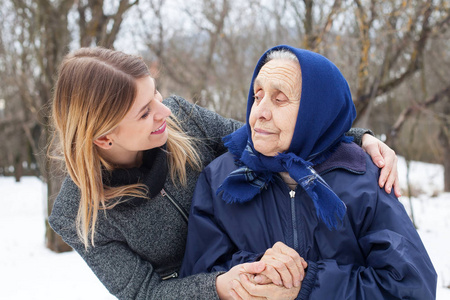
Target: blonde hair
95	89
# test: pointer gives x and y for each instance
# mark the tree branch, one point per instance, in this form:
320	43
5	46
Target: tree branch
407	112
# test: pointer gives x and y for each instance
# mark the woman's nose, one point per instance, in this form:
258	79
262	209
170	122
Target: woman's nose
162	111
264	109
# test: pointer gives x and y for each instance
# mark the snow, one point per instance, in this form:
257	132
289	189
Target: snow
30	271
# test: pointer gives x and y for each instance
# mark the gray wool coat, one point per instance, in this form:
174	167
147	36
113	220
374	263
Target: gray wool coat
139	249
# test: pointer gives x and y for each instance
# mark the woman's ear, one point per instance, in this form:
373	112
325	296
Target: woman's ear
104	142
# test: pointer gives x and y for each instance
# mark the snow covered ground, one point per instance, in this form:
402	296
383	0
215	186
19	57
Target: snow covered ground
30	271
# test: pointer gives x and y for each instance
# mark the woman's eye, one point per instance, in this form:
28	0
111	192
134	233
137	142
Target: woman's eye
145	115
258	95
281	98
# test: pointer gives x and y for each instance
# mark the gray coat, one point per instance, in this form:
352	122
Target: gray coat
138	248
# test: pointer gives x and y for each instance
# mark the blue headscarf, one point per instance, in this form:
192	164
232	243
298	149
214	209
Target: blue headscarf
325	114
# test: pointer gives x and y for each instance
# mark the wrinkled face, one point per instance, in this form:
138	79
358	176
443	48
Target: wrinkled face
144	126
273	116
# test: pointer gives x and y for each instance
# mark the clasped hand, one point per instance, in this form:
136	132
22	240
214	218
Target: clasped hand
278	275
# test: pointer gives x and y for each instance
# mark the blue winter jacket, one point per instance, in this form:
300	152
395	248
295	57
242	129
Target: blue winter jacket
375	254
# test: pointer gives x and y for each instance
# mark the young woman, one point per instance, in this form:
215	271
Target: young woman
133	161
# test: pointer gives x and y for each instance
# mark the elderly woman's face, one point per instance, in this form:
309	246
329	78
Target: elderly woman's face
273	115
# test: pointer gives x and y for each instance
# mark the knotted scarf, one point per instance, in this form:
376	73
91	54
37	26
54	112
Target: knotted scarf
325	114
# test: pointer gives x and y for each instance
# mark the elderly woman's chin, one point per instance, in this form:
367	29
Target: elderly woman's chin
266	147
270	144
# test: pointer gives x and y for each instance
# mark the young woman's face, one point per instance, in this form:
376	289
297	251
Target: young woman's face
144	126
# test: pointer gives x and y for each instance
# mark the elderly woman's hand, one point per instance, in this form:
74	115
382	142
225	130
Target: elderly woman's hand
384	158
284	267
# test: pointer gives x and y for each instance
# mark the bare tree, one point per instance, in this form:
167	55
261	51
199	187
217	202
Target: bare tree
43	38
100	28
442	95
191	65
406	29
311	29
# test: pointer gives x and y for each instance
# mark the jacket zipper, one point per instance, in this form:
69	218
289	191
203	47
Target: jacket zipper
294	220
173	275
177	205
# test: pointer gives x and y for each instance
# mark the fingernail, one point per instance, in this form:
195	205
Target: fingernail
297	283
380	163
389	191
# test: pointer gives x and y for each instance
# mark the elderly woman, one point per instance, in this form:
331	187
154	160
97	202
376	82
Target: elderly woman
292	176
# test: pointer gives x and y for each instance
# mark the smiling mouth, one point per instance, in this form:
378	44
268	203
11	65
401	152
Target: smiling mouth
161	129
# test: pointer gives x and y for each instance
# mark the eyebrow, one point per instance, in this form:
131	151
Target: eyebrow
257	82
274	85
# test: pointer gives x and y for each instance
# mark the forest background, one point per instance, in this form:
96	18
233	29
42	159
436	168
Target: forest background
395	55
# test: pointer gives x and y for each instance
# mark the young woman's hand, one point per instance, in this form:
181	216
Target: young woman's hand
246	289
225	281
386	159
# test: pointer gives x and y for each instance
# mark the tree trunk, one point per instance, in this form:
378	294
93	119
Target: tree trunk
55	177
408	182
447	170
18	168
445	144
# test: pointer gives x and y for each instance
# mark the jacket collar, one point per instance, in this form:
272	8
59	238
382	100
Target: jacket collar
347	156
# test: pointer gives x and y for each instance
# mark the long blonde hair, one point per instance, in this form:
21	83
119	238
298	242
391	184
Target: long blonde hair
96	87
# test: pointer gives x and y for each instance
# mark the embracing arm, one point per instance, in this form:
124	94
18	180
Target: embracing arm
211	126
121	270
382	156
127	276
